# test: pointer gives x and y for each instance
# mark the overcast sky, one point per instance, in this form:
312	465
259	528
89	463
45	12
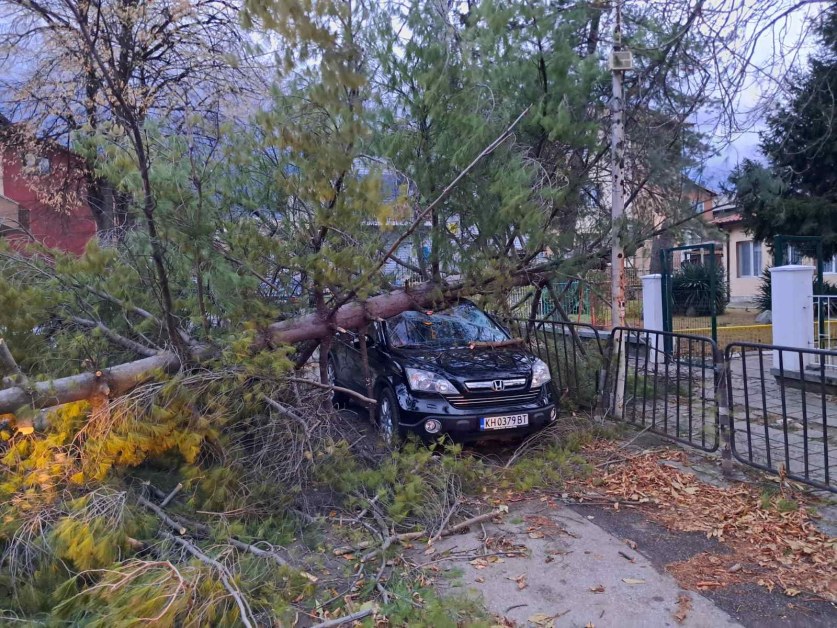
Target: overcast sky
786	45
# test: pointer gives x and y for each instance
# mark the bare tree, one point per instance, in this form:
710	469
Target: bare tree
108	66
71	65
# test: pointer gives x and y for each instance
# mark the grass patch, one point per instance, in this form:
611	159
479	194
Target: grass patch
786	505
550	468
771	499
414	604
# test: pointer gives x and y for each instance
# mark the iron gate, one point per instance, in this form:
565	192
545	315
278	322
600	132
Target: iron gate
665	383
783	411
768	407
693	290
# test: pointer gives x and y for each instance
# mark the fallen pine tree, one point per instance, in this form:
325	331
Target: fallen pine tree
162	460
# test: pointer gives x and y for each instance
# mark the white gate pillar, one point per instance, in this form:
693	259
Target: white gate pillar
652	314
792	312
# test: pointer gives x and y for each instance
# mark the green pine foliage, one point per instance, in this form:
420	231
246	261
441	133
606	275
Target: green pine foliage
280	210
794	194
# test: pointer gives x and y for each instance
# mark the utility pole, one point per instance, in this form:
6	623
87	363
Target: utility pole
620	62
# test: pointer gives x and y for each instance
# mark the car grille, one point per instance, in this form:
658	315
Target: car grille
518	383
507	399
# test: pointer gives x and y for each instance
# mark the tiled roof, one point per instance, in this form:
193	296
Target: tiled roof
726	220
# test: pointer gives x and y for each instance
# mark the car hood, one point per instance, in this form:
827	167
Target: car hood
466	364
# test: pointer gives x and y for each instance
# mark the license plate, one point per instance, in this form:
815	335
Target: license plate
504	422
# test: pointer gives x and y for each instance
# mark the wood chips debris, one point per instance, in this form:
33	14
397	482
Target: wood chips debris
765	545
684	605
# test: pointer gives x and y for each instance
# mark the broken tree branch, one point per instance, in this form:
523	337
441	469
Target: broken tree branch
286	411
115	337
119	380
171	495
412	536
423	214
511	342
346	619
9	365
174	525
340	389
226	576
257	551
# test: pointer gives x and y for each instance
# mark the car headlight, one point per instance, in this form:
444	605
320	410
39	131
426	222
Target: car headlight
427	381
540	373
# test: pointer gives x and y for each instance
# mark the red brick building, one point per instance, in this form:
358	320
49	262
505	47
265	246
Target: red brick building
43	195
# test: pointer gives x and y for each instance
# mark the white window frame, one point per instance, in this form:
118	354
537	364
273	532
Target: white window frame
750	247
793	257
828	265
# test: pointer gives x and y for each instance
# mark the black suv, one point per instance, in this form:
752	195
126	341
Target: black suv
456	372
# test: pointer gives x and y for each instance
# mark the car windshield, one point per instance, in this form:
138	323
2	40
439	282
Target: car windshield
456	326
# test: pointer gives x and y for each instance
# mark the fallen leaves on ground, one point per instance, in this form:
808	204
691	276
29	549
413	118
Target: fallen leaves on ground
599	588
540	527
503	545
542	620
706	567
520	580
796	555
684	605
482	563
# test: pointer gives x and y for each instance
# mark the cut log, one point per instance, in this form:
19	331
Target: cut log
119	380
356	314
122	378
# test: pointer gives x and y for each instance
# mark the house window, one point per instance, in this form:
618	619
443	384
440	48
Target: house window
39	164
794	256
749	259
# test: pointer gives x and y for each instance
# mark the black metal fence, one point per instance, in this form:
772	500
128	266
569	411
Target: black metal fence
772	408
666	383
781	401
576	355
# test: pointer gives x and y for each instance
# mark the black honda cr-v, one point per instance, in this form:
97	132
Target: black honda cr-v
455	372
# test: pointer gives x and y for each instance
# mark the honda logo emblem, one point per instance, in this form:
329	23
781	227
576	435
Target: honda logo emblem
498	384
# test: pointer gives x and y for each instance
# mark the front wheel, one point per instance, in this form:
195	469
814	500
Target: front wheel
338	400
388	418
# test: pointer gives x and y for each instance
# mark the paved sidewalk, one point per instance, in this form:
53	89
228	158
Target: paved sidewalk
577	574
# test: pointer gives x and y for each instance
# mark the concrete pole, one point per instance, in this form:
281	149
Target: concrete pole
617	197
792	311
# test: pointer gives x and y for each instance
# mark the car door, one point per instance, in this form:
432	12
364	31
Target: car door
354	362
345	359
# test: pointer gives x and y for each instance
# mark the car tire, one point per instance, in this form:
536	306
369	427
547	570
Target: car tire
338	399
388	416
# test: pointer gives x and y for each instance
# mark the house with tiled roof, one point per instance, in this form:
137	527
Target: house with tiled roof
745	260
43	194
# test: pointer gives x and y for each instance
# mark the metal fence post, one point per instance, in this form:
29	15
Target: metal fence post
605	400
724	413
